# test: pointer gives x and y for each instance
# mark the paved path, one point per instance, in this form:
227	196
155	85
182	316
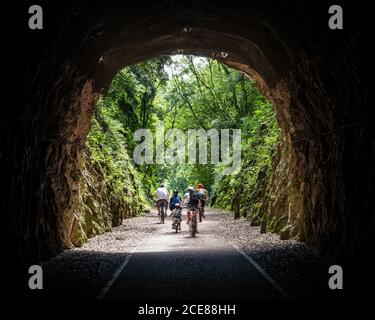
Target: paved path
178	266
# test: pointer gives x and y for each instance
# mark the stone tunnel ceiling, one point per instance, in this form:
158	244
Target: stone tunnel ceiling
318	79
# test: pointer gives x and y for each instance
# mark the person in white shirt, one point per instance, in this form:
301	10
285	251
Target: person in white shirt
162	196
186	198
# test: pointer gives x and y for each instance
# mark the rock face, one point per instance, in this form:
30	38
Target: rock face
97	208
92	214
319	80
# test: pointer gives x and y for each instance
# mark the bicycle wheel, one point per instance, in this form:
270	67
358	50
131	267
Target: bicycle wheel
193	225
162	214
200	214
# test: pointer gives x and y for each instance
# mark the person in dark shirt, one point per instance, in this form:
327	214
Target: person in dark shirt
193	203
174	200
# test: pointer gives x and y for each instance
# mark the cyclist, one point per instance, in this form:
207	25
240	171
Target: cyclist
203	196
162	196
177	215
186	197
174	200
193	203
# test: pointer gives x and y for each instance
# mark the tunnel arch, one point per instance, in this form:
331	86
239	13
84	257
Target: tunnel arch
293	57
186	26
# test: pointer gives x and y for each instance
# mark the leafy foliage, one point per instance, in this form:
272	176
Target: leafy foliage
107	146
184	92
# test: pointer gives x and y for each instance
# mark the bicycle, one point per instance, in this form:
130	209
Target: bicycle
193	222
201	212
176	218
162	212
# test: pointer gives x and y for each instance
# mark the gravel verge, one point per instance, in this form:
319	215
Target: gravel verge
295	266
83	272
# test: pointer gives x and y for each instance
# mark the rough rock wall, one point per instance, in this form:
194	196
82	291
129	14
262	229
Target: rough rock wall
321	186
322	178
96	207
92	210
41	146
331	146
269	201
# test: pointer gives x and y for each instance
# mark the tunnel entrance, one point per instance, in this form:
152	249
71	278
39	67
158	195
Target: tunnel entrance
316	79
180	121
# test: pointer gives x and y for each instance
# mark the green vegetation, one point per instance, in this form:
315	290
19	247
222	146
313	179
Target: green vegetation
184	92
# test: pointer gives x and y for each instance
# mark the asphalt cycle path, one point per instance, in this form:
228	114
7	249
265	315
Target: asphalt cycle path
170	266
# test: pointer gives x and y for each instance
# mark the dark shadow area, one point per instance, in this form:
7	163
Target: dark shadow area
321	82
175	275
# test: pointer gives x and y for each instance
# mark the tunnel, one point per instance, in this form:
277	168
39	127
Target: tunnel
319	80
